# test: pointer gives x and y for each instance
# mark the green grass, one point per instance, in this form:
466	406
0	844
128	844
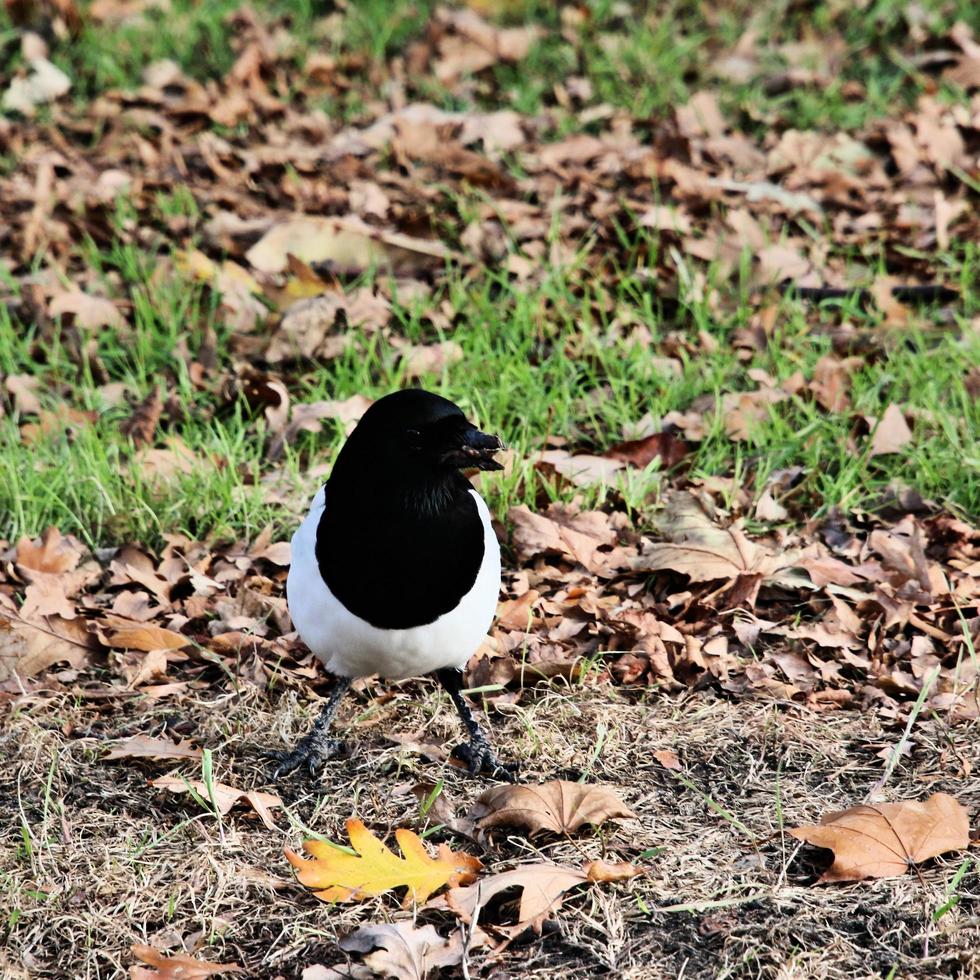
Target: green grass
647	57
538	362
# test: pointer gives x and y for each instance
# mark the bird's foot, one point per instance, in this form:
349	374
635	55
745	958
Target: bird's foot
309	752
480	760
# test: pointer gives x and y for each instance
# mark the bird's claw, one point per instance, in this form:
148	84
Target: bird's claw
310	754
480	760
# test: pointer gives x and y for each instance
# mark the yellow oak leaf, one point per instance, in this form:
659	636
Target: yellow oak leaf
343	877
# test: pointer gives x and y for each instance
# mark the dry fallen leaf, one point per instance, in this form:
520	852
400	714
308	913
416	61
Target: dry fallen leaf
408	953
141	425
46	83
309	417
178	966
53	554
29	647
663	218
474	44
89	311
225	797
703	551
576	536
346	245
23	388
668	759
158	466
560	806
641	452
601	871
147	747
891	434
419	359
882	840
342	877
582	469
542	886
542	889
146	636
46	596
61	419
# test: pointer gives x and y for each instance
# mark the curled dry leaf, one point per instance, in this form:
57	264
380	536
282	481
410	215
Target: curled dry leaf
543	887
767	508
582	469
473	44
419	359
882	840
61	419
141	426
560	807
278	553
176	967
145	636
669	447
601	871
23	389
161	465
147	747
407	953
663	218
375	869
225	797
309	417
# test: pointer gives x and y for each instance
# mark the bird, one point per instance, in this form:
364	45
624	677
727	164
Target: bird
395	570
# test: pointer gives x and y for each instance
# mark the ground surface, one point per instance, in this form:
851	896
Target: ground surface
713	277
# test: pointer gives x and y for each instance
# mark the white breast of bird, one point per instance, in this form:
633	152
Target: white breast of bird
349	646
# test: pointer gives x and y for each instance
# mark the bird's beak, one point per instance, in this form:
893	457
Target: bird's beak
476	450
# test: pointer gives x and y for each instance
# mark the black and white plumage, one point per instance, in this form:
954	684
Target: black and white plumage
396	569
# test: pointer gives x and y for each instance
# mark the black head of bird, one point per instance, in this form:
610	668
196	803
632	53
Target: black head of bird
414	434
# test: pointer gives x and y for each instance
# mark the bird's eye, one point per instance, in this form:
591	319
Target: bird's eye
414	436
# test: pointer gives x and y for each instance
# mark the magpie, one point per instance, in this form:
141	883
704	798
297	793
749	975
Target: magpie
396	568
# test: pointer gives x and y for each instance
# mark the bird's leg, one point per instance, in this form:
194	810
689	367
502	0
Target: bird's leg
317	746
476	753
